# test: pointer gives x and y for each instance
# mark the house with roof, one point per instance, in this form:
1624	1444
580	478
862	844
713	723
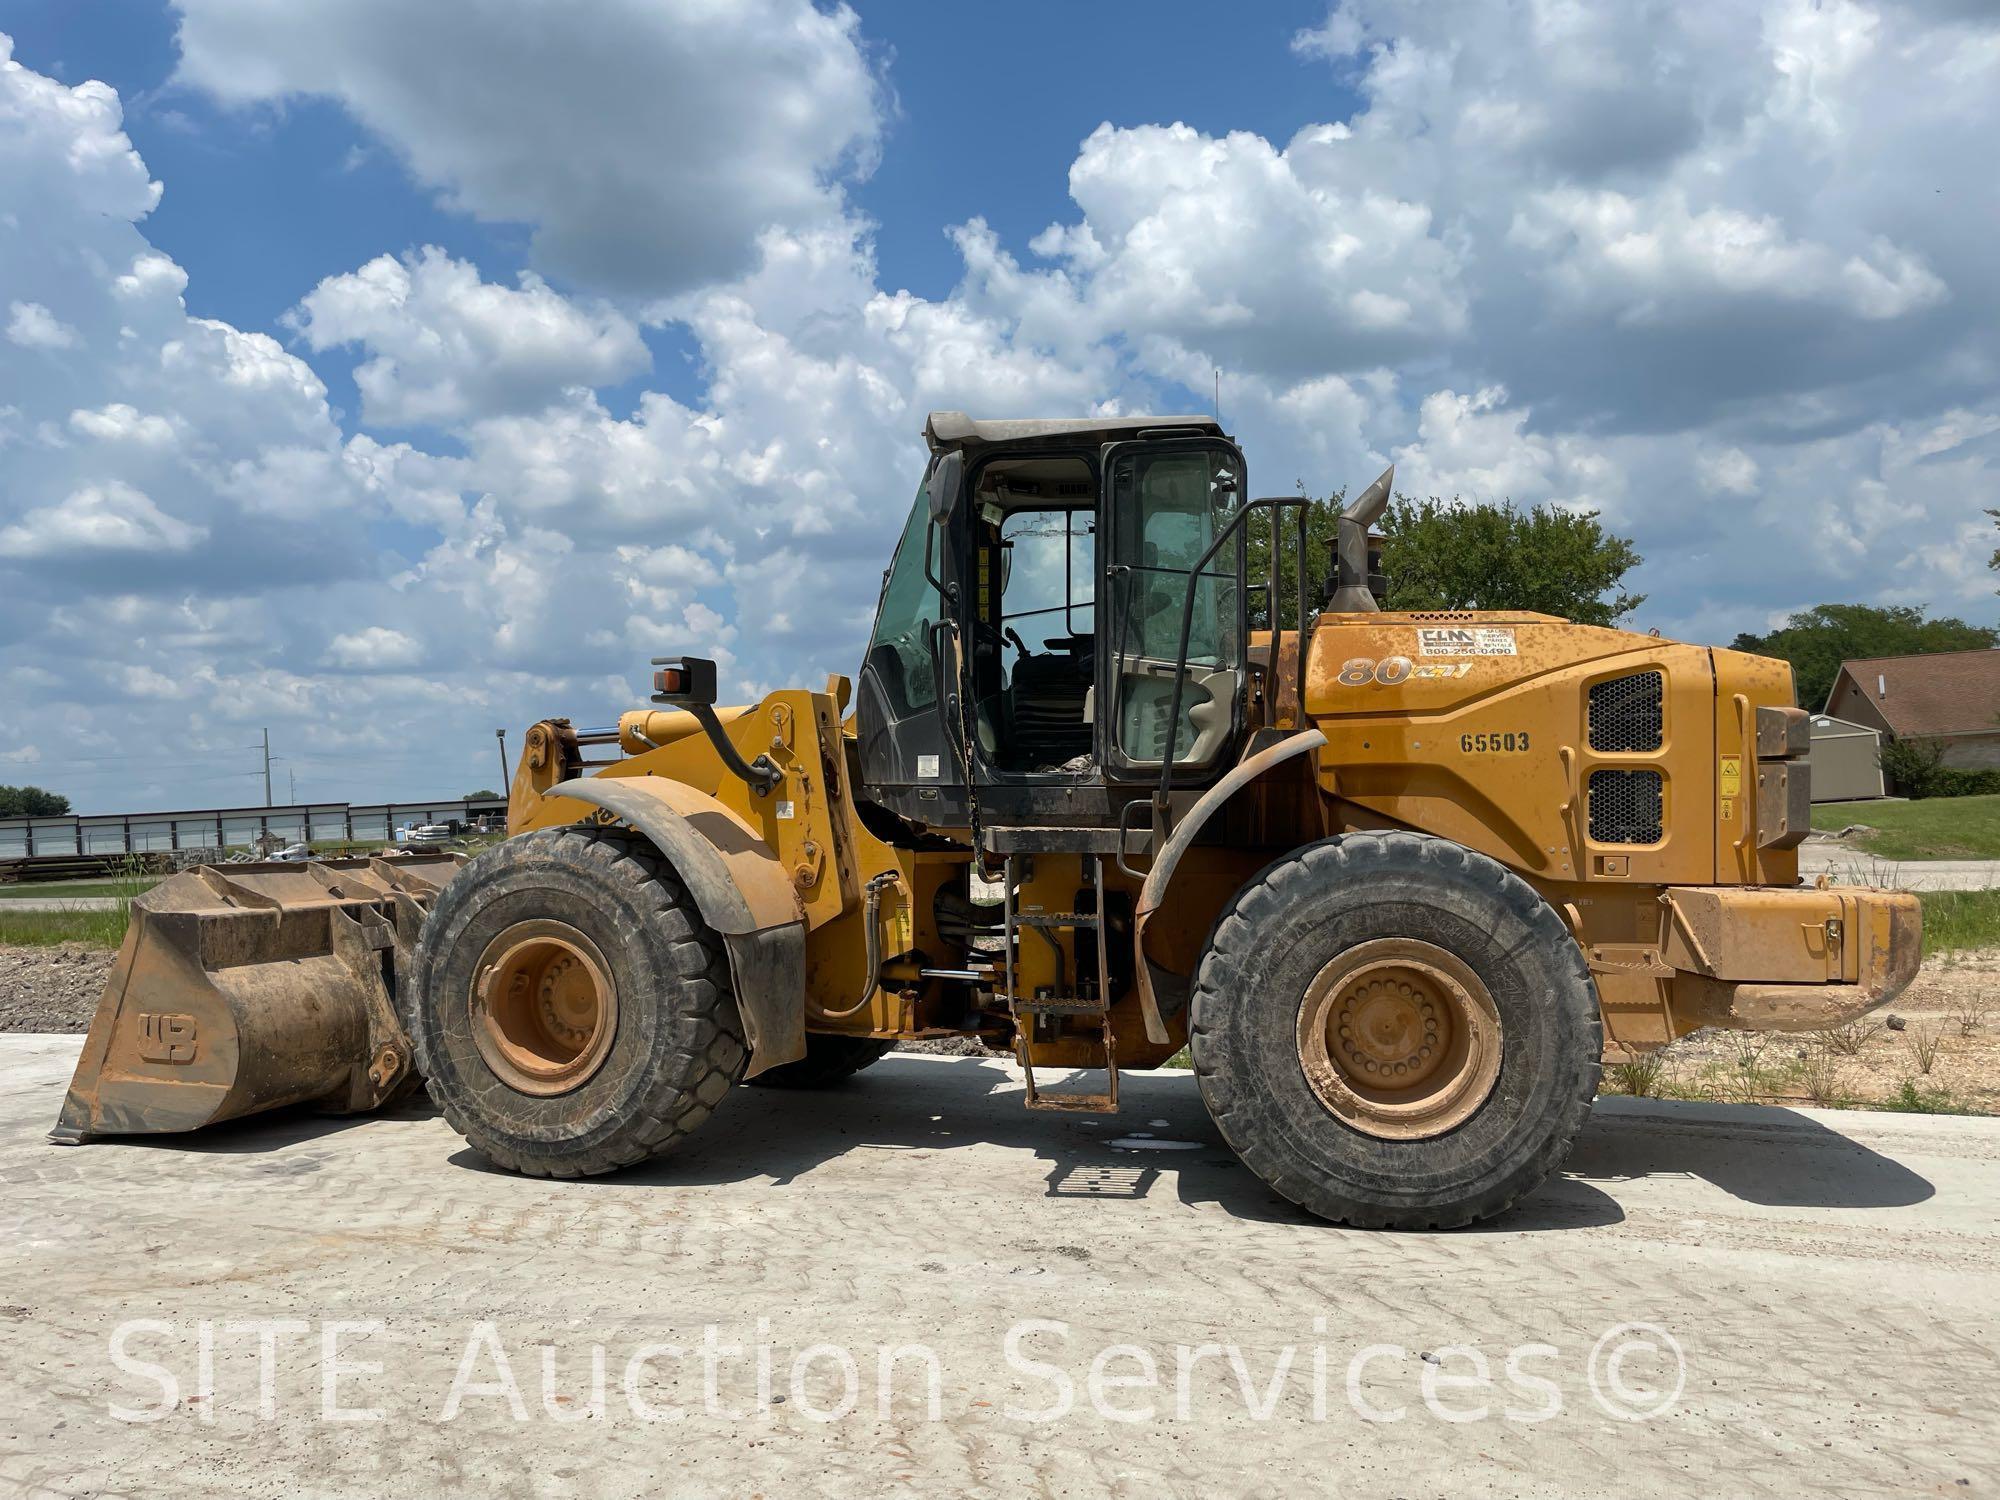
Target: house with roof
1949	696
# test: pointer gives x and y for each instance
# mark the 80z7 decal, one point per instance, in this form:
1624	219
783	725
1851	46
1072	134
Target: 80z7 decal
1363	671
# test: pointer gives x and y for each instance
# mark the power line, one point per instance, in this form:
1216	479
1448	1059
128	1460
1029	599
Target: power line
72	760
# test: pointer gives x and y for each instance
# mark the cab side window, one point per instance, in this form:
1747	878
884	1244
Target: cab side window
905	621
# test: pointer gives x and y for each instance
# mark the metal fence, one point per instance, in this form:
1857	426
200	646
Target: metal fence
230	827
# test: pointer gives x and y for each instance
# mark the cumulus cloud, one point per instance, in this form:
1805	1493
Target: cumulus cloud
1478	445
33	326
374	648
444	345
1686	265
1265	256
646	145
108	517
119	423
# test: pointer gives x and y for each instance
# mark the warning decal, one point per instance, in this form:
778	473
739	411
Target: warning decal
1457	640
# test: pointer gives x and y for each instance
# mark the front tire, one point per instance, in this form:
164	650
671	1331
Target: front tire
1395	1032
572	1012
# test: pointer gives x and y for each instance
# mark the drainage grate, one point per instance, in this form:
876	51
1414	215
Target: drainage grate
1625	807
1625	712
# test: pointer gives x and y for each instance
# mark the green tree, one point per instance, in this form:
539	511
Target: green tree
31	802
1449	554
1816	641
481	796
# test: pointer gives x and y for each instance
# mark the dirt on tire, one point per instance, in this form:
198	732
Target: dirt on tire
1298	916
675	1049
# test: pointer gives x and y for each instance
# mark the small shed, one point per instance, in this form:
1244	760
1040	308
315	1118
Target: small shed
1846	760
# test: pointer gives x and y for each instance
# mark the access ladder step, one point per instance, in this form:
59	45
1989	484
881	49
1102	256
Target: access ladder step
1076	1104
1058	1005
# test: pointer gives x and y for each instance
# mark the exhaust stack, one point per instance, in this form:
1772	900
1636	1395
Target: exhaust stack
1351	594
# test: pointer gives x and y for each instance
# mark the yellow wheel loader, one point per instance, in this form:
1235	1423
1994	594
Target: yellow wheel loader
1398	883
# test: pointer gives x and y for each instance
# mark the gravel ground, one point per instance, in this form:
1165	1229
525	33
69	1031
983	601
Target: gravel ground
1941	1034
951	1046
1708	1300
51	989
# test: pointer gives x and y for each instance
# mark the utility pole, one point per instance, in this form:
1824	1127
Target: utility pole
501	734
267	768
291	786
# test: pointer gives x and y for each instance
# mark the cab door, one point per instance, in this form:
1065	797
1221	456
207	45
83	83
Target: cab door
909	762
1164	503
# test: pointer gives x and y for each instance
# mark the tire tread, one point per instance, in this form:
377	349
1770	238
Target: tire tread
1290	880
708	1054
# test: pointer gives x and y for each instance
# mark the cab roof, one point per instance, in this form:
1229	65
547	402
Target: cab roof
945	430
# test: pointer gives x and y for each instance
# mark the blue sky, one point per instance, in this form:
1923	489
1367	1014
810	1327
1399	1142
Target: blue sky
261	206
467	357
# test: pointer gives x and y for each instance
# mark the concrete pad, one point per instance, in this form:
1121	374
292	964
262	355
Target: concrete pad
1831	1282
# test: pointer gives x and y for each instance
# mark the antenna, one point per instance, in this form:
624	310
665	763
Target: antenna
1218	395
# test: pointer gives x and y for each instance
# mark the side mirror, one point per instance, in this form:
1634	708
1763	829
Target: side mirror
1223	485
947	475
688	682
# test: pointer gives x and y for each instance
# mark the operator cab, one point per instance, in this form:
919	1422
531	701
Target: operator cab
1028	637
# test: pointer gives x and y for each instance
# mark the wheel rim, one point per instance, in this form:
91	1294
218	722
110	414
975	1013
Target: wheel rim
543	1007
1399	1039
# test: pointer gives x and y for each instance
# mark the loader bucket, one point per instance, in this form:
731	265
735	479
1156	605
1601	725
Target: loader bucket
247	987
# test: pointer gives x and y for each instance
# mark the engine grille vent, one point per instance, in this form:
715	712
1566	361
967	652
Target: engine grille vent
1625	712
1626	807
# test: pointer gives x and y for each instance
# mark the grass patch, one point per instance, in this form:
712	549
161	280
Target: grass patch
1914	1099
75	890
1639	1078
55	929
1935	828
1958	920
92	929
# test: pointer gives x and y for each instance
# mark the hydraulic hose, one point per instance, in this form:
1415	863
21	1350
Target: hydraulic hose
871	908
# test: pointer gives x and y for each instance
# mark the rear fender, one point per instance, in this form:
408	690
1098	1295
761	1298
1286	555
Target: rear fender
741	890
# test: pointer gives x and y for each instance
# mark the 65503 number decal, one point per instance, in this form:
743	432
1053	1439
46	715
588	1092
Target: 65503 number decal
1511	742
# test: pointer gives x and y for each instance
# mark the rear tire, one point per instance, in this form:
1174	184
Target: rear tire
829	1060
572	1012
1282	993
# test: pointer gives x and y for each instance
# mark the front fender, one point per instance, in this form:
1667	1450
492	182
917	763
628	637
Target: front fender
741	891
1161	874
